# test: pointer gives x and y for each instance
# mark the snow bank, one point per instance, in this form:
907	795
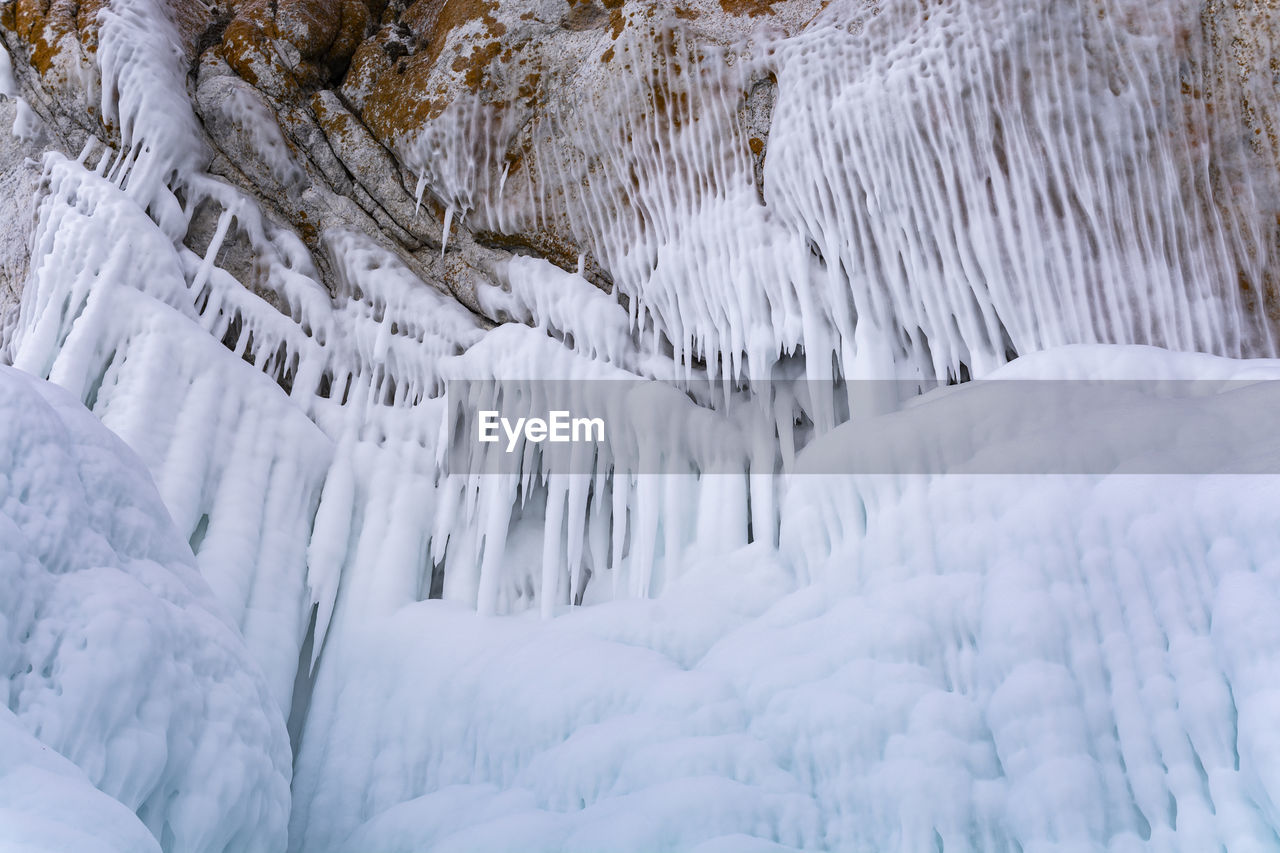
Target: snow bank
595	730
48	805
124	674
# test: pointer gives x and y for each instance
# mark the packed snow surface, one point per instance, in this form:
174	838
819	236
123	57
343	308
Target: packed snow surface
256	544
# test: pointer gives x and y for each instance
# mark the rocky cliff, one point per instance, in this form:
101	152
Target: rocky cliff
456	133
340	113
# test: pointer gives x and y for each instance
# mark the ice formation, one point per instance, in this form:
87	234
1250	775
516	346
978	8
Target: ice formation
148	711
458	156
872	662
917	157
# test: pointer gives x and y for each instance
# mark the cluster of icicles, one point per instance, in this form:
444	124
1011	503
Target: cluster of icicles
943	189
946	185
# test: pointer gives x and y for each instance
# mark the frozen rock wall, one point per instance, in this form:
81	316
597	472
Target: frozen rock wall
264	236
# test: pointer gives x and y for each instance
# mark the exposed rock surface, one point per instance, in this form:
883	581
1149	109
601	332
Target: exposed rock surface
317	108
312	106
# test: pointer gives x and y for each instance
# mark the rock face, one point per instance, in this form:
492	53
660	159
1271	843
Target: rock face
313	107
406	120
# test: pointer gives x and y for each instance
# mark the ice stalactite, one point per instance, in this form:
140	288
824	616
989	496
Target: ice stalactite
8	86
300	451
846	260
144	98
243	108
658	181
928	152
459	157
537	534
828	268
976	662
582	316
918	157
108	316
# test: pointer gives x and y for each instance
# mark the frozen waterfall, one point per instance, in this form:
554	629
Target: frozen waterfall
263	546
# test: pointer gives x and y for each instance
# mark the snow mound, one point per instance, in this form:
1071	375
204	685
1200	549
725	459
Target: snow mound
124	675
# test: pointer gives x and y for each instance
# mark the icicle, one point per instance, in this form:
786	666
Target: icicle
418	191
448	223
211	253
553	545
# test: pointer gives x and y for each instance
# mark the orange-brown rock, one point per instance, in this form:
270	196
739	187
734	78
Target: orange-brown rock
43	25
309	25
354	23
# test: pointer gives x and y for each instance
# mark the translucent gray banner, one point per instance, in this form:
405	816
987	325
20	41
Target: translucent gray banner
608	427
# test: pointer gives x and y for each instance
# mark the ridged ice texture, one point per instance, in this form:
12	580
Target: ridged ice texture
297	450
1010	176
1066	663
733	271
143	95
946	184
538	536
459	156
117	656
972	663
48	805
107	315
659	184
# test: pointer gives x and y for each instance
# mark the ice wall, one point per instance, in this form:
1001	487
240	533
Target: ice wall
967	662
1070	662
992	178
945	186
107	315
